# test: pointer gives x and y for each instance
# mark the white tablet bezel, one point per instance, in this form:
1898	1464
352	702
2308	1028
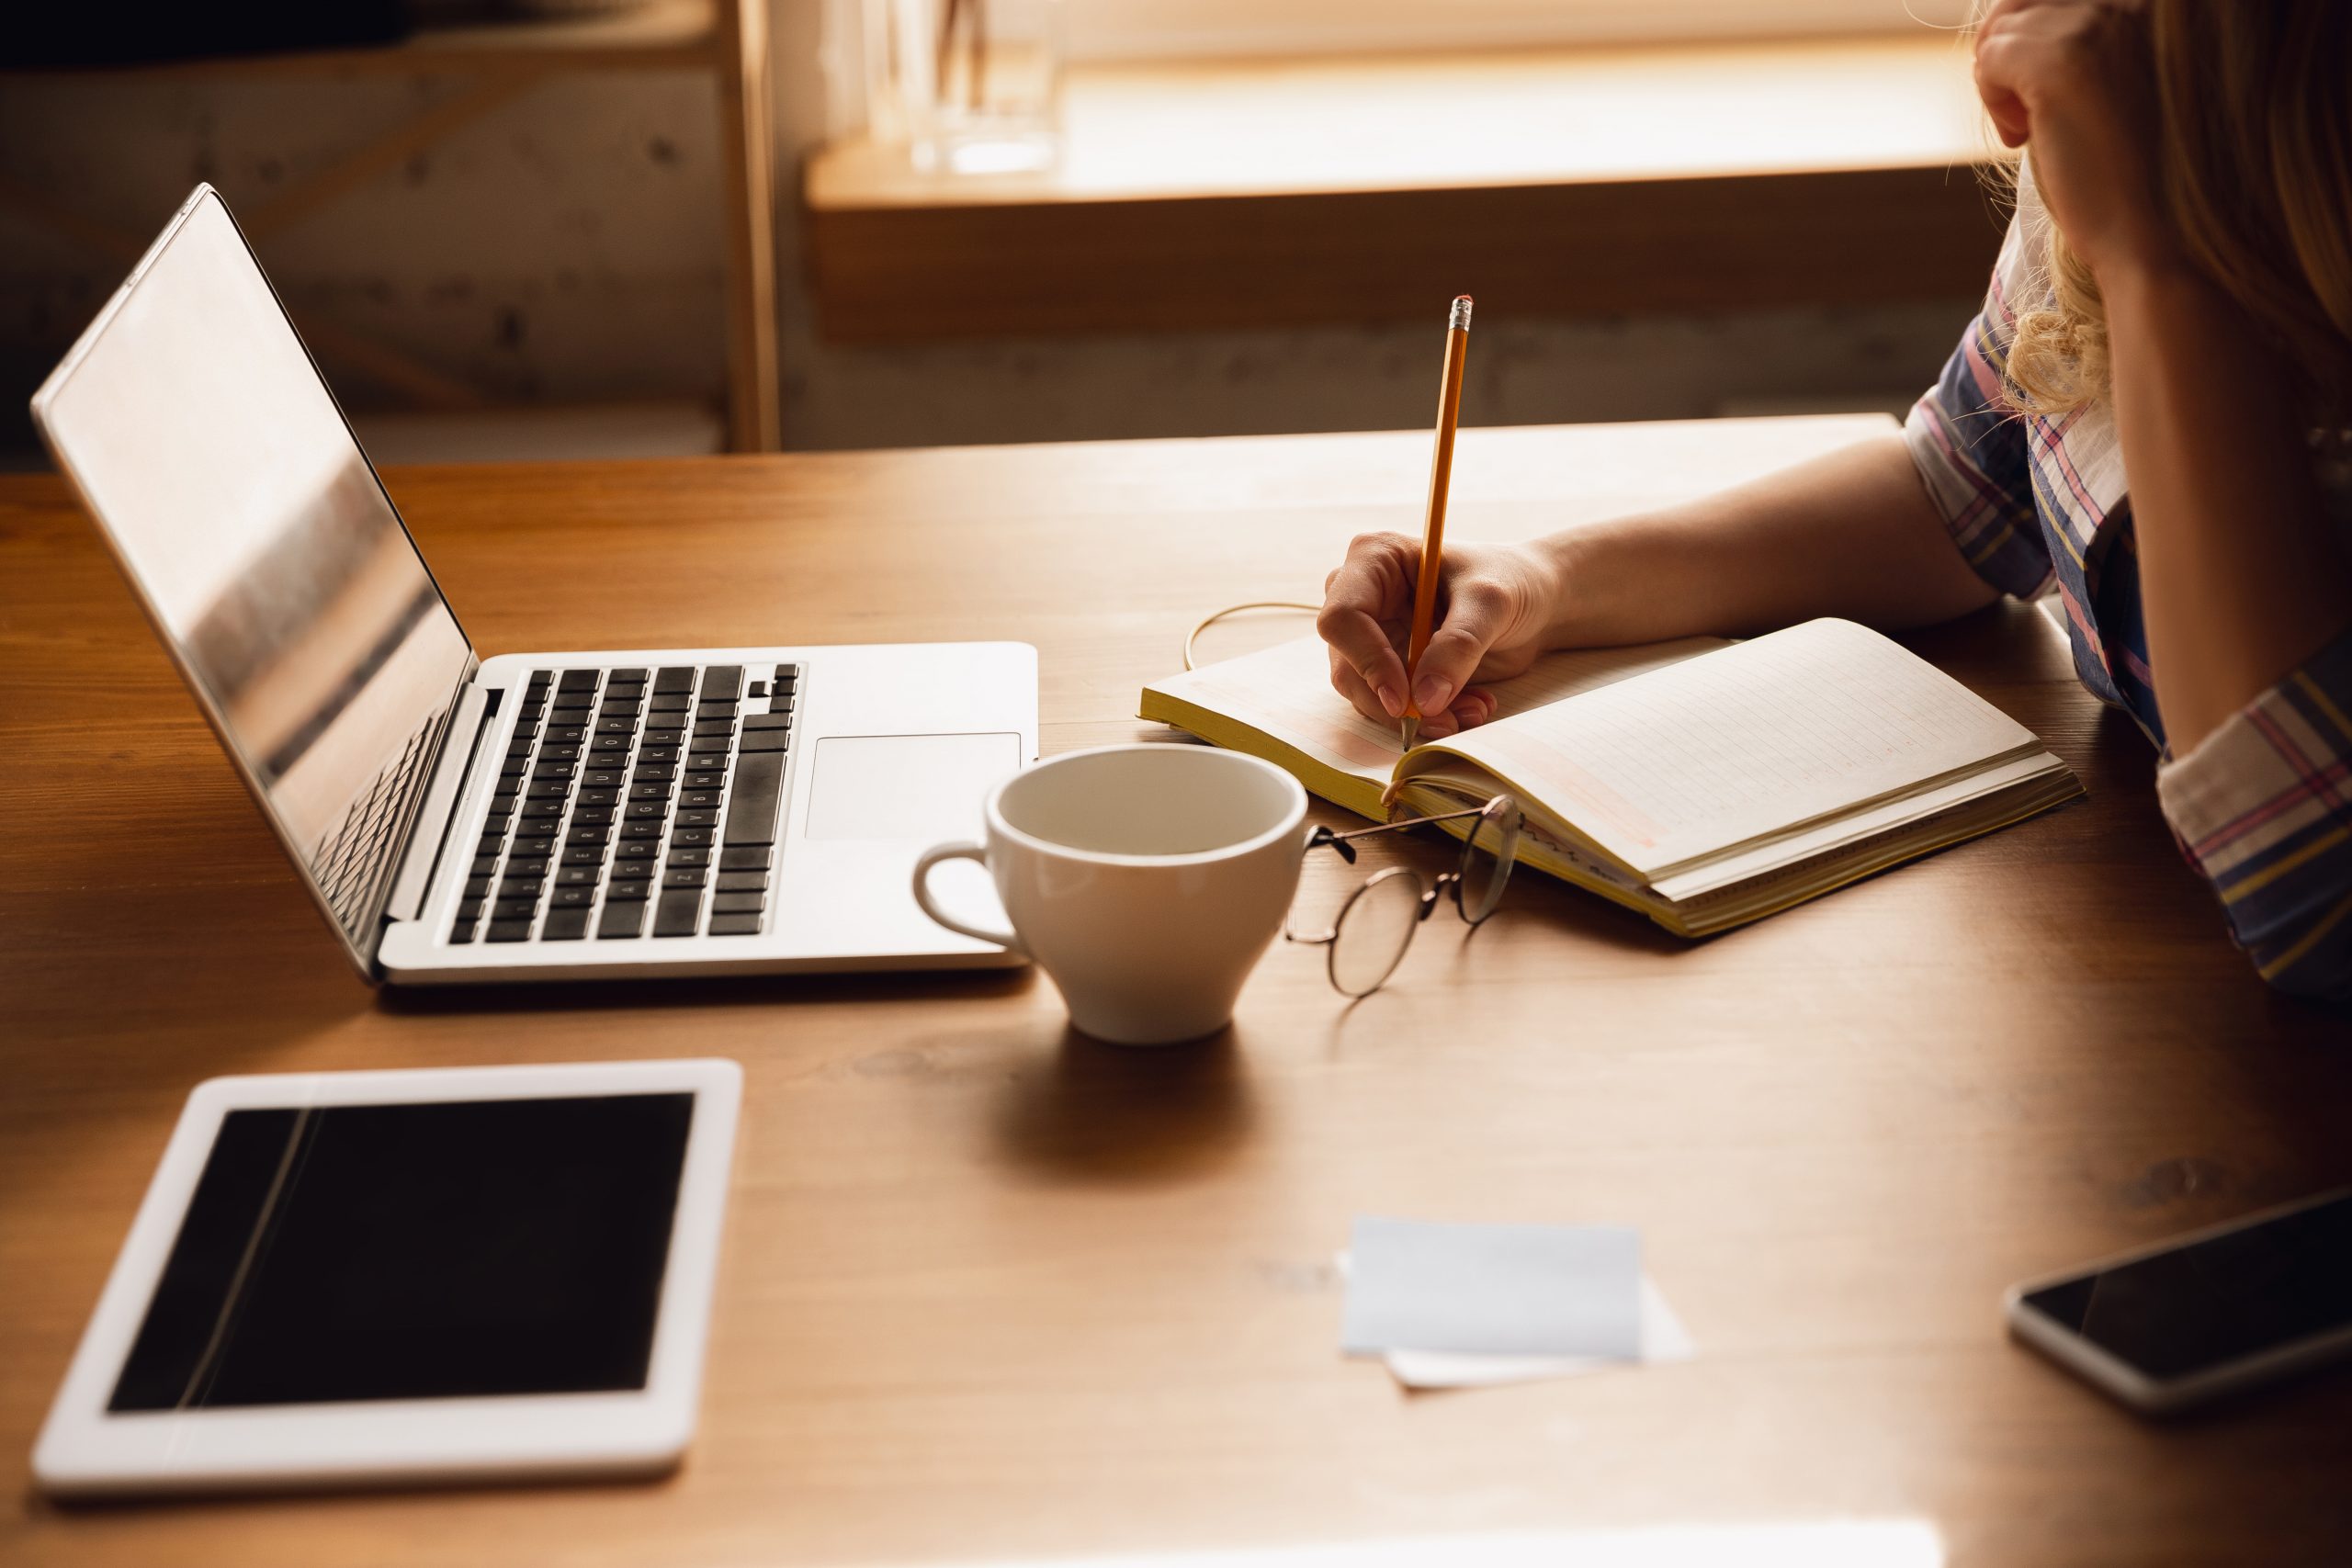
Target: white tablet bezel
83	1448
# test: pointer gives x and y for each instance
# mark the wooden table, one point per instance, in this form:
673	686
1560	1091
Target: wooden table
993	1293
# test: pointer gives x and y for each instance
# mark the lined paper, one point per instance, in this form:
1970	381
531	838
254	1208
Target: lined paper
1285	692
1701	756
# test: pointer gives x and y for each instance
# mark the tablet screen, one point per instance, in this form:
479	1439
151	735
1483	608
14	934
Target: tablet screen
446	1249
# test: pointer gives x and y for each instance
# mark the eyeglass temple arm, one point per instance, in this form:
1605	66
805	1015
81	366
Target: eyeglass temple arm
1337	841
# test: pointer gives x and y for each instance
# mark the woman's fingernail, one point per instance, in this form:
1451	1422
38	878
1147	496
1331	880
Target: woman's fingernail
1431	694
1390	700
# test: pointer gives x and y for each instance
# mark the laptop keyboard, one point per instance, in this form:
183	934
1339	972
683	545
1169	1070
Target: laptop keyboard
634	804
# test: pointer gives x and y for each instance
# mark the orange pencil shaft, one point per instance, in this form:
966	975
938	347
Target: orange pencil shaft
1449	415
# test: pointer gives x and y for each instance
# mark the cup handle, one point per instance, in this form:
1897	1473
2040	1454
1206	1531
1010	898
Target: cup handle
963	849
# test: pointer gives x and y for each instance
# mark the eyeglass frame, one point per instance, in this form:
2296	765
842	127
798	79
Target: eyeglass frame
1453	881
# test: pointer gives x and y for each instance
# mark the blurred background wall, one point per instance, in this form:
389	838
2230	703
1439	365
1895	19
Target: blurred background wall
563	250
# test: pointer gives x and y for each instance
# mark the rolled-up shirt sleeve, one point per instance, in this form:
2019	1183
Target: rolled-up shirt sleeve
1968	442
2263	809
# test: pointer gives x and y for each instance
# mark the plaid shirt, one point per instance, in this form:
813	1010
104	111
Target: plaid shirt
2263	806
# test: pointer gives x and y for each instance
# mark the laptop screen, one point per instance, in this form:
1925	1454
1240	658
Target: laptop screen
247	516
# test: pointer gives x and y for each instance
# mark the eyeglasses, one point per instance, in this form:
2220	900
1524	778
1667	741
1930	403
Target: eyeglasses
1377	924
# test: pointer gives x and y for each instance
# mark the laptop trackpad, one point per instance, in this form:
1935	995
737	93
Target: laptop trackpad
906	787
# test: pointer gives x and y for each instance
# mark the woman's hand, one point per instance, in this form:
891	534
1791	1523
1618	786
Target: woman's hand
1495	605
2075	81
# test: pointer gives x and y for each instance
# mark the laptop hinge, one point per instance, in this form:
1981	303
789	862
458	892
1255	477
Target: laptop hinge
444	801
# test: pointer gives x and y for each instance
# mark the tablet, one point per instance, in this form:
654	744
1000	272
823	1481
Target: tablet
371	1277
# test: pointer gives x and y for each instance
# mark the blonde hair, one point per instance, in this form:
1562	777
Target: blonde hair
2254	101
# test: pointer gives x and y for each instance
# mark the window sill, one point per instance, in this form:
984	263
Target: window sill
1559	183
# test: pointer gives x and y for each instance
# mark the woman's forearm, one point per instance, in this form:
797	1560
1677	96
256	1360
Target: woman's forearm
2241	576
1850	534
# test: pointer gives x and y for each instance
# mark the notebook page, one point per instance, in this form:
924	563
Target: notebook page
1285	692
1705	755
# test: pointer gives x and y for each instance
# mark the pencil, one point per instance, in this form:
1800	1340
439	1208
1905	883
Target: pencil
1449	413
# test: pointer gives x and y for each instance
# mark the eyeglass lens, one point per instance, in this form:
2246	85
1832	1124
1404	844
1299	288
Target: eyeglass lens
1485	862
1374	931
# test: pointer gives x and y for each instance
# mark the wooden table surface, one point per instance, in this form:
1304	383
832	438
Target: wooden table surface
992	1293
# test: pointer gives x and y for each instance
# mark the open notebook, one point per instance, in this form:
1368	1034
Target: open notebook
1703	783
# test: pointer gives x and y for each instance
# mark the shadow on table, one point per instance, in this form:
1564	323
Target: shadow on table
1127	1113
729	990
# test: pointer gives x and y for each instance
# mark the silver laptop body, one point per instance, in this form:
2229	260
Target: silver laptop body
635	812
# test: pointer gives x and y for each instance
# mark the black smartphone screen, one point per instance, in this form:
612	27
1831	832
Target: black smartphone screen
438	1250
2217	1301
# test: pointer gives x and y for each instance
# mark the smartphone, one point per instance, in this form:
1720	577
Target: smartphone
2205	1315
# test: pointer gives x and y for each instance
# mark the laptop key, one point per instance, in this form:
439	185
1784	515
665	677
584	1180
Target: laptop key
514	910
669	702
767	721
572	898
754	857
463	932
679	912
774	742
684	856
685	876
726	903
577	681
621	920
752	803
683	836
625	677
584	854
580	876
646	830
722	681
510	930
672	678
734	925
565	925
600	796
743	882
601	778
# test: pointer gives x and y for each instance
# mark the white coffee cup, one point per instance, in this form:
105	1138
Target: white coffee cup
1145	880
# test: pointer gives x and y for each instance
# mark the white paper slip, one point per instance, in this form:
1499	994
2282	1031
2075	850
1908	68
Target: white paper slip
1498	1289
1663	1339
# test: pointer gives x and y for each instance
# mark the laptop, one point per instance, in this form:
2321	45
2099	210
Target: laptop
532	816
